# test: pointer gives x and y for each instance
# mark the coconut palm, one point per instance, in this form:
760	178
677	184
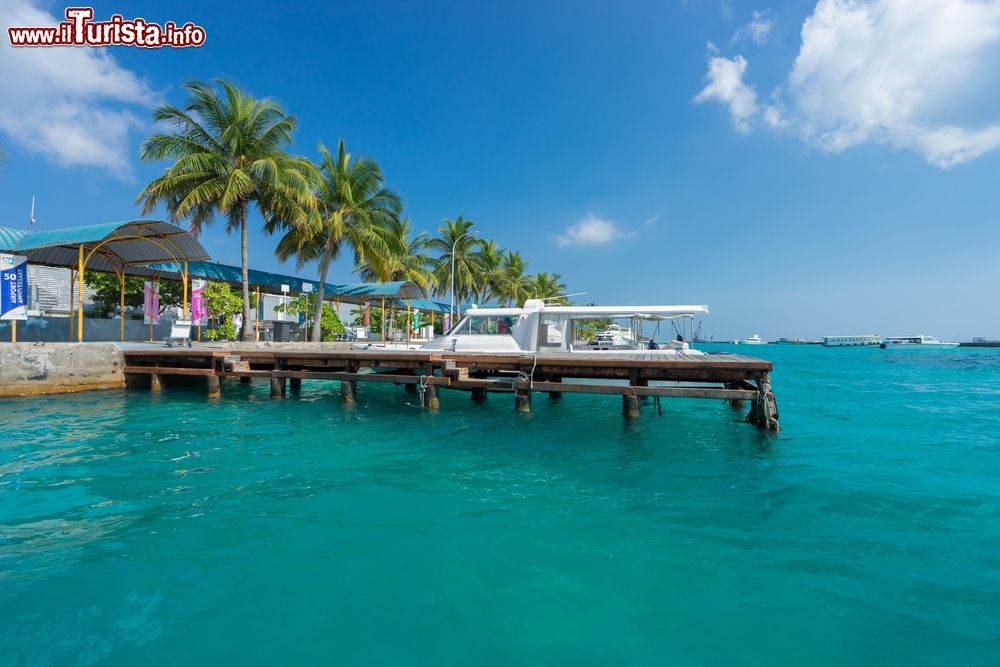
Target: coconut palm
512	284
405	256
455	234
547	286
229	154
489	270
352	205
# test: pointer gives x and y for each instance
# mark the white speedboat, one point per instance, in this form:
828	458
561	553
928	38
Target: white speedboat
537	328
752	340
915	343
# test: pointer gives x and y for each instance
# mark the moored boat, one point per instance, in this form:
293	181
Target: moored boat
752	340
542	329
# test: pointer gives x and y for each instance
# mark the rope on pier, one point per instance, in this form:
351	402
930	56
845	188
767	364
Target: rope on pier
422	388
530	377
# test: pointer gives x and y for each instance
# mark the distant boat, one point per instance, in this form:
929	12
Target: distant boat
613	336
851	341
752	340
915	343
792	341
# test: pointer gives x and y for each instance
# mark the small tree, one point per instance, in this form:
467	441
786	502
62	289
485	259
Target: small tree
222	302
330	324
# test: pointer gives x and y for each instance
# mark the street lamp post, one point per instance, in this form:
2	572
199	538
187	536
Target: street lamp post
451	310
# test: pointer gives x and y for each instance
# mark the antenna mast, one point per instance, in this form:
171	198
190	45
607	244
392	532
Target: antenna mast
31	218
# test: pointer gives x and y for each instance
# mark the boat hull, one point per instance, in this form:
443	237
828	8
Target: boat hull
918	346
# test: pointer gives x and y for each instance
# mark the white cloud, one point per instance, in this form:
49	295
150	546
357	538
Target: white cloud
591	230
75	105
725	85
757	30
919	75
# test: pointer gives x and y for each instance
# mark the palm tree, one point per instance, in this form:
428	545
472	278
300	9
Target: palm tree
229	153
548	287
405	256
512	287
352	206
455	233
489	270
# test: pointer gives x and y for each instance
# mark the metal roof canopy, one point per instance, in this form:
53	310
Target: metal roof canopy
111	247
270	283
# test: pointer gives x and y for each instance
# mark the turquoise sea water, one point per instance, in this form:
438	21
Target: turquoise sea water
170	529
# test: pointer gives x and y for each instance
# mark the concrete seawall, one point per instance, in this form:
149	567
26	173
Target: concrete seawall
28	369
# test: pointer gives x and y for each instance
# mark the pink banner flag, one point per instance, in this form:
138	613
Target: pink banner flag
199	311
150	303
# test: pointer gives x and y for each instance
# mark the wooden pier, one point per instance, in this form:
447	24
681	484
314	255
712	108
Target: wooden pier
640	376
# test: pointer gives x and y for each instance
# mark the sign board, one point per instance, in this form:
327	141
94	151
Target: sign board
307	287
151	302
302	318
199	311
285	289
14	283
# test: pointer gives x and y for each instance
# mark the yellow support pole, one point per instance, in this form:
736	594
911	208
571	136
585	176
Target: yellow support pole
256	316
121	303
79	301
184	280
409	323
13	331
383	319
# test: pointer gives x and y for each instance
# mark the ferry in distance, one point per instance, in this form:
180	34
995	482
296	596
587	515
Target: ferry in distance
851	341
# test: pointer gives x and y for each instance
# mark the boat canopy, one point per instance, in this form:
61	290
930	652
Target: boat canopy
636	312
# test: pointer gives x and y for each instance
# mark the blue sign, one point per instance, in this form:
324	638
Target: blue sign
13	287
302	318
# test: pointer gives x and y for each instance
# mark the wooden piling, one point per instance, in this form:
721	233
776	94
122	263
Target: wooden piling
736	403
295	384
214	386
156	382
431	400
555	395
478	394
630	406
277	387
348	388
764	409
522	400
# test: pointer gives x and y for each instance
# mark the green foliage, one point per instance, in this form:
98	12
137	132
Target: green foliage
224	330
221	300
330	324
107	292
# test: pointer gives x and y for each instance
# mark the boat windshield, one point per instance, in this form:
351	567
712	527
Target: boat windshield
484	325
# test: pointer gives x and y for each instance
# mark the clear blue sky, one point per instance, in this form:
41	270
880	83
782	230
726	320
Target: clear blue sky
801	182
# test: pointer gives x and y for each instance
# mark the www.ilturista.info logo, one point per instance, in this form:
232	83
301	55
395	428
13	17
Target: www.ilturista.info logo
80	30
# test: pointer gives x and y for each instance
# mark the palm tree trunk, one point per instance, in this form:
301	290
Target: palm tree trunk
324	266
246	330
